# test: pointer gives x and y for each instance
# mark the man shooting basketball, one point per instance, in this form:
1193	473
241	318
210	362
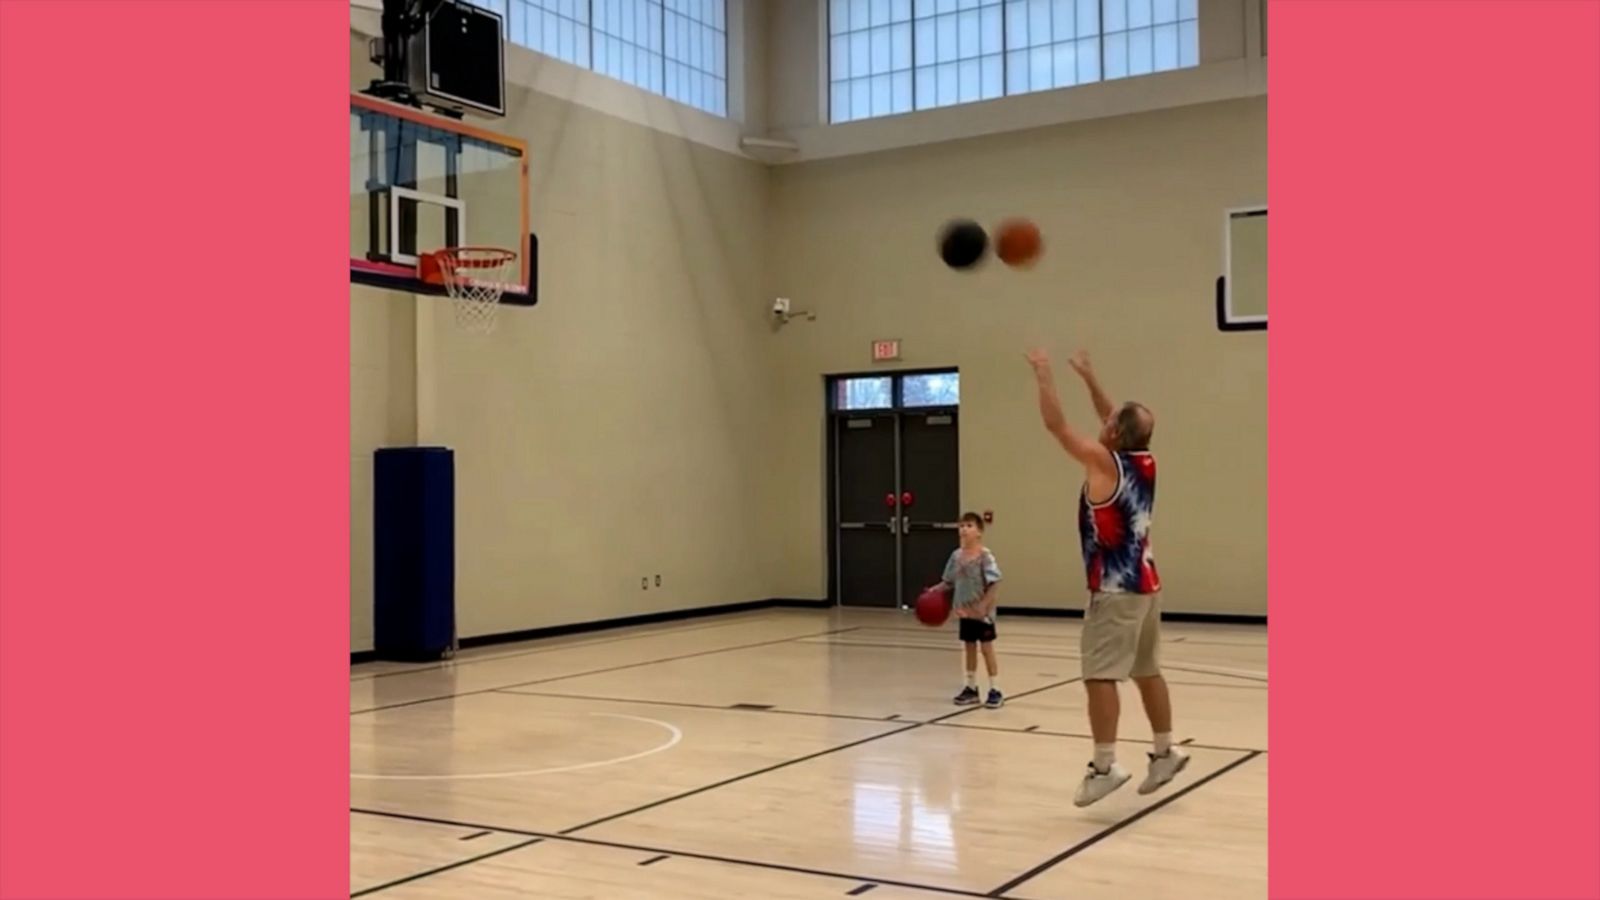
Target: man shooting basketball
1122	626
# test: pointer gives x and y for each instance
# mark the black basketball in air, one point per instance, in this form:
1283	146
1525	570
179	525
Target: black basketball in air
962	243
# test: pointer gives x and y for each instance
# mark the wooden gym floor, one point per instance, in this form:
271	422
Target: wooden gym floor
798	754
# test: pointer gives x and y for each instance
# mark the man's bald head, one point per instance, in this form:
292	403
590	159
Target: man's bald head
1129	428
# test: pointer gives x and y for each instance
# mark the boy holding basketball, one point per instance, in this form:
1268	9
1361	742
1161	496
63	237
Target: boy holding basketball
972	578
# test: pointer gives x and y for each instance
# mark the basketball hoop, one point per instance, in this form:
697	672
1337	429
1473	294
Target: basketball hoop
475	278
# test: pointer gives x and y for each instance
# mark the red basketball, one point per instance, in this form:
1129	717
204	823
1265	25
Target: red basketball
1017	242
933	607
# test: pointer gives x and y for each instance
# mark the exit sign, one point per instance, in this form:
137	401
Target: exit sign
885	351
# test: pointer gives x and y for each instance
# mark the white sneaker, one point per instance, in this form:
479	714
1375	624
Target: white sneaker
1096	785
1163	769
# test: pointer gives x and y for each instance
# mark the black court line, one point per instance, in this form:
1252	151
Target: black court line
935	648
737	778
778	711
636	665
1010	697
1031	729
753	706
942	649
796	761
1210	684
1083	845
510	654
1019	621
1256	679
1046	636
860	890
950	636
654	859
677	703
475	836
947	647
1035	730
455	865
685	854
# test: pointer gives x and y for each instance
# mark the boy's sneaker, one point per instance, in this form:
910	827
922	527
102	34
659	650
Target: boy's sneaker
1097	784
967	697
995	701
1163	769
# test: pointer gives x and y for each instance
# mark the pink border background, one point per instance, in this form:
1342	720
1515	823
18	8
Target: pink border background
1435	382
174	481
174	474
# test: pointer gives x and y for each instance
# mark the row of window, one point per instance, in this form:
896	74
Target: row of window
871	392
676	48
887	57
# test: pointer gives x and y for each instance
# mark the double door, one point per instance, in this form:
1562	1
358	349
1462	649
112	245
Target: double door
897	503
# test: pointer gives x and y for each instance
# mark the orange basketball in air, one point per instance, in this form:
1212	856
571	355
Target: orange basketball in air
1017	243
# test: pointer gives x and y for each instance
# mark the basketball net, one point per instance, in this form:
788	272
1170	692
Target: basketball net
474	278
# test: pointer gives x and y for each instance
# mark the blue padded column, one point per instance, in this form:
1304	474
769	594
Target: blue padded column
413	538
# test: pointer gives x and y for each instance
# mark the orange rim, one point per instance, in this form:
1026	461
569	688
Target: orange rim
483	257
441	266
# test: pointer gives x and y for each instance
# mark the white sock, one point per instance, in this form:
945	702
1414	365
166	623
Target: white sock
994	682
972	680
1163	743
1104	756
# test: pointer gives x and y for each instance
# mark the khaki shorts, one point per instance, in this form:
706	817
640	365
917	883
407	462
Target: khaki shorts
1122	637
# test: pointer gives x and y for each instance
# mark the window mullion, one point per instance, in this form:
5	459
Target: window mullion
1005	51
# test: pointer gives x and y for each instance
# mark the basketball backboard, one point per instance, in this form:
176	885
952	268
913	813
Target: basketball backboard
420	183
1242	289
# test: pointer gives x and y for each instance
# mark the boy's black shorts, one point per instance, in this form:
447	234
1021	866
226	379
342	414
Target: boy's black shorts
976	631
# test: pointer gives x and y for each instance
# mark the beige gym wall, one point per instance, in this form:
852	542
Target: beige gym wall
1132	209
615	432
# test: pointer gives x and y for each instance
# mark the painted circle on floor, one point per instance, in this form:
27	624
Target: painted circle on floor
674	735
